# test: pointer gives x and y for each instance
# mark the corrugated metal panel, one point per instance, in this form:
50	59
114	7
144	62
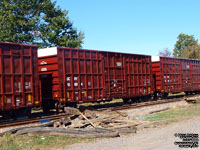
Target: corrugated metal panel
195	68
82	74
88	75
176	75
18	76
114	67
186	74
168	75
138	75
127	75
77	74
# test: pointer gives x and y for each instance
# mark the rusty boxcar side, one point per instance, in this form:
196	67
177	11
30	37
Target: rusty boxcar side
127	75
173	75
18	76
167	74
195	68
79	75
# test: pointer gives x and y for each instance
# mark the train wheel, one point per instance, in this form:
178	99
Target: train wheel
45	109
126	100
165	95
186	93
134	100
155	96
73	104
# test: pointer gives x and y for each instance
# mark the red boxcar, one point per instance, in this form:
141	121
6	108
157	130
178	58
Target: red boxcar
127	75
18	76
173	75
167	74
78	75
195	74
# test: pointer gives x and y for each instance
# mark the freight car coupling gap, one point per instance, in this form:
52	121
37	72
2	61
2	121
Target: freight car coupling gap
57	77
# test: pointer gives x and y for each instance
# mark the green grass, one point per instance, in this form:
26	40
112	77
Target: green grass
175	114
108	102
40	142
177	94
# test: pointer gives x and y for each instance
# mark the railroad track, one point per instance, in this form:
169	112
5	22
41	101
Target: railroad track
149	103
113	108
31	121
144	104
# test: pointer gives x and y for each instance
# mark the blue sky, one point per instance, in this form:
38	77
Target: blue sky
133	26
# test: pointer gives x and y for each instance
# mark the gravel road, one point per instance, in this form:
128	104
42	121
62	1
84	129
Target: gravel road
148	139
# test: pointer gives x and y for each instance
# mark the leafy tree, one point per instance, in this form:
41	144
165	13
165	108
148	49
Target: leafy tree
192	52
165	53
37	22
183	41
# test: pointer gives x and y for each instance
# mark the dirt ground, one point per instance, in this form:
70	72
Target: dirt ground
161	138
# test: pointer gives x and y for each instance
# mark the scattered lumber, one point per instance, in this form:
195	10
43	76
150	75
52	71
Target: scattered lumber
193	100
14	130
84	123
71	111
156	111
96	133
101	119
87	119
121	113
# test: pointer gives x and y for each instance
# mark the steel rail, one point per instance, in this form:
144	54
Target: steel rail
144	104
30	121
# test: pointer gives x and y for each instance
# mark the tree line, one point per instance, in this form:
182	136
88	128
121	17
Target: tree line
38	22
186	47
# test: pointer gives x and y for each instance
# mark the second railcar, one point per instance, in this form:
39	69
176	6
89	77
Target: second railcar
173	75
71	75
